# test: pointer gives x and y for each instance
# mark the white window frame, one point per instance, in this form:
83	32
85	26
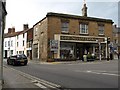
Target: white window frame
84	28
8	43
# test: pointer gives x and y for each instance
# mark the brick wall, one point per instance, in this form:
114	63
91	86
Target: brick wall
54	25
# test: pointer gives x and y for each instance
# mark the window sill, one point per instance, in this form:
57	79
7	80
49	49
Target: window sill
84	34
101	35
65	32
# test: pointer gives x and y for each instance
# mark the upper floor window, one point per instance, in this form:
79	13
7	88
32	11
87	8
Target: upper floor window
23	35
17	37
83	28
101	29
17	44
11	43
23	43
5	44
65	27
8	43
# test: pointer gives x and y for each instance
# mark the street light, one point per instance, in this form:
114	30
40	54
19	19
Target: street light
107	55
99	44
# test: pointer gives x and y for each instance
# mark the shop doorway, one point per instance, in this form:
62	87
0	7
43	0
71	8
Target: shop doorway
81	49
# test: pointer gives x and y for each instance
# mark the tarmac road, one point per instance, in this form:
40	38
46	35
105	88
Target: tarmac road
101	74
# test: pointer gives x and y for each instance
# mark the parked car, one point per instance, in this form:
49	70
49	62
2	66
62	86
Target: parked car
19	59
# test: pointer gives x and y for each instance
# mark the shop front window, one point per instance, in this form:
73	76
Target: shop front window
67	51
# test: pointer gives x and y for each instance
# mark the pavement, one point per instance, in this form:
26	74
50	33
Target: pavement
13	80
17	80
66	62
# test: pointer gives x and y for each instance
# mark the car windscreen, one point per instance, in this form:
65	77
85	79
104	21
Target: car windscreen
21	57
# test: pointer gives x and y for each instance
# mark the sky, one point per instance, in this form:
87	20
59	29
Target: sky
31	11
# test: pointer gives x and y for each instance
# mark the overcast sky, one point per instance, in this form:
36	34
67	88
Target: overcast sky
31	11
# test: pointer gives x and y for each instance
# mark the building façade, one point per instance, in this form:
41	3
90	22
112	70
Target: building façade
64	36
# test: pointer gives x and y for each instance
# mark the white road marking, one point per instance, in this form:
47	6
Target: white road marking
98	72
40	85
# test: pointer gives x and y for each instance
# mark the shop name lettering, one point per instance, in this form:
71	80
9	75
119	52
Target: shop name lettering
77	38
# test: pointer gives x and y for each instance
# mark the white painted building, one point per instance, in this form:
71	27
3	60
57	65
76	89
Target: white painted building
9	46
15	42
21	45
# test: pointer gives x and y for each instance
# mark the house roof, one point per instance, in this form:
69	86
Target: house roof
51	14
79	17
6	35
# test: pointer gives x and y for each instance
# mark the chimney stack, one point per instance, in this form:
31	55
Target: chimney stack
11	30
25	26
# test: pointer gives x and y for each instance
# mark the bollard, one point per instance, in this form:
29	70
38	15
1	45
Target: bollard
85	58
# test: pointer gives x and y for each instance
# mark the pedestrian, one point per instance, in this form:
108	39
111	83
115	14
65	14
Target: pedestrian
111	56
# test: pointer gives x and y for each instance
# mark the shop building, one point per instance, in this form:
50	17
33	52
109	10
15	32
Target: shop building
65	36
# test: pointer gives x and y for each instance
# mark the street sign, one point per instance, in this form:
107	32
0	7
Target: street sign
54	45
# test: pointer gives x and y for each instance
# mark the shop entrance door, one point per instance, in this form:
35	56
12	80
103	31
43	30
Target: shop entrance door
82	49
79	51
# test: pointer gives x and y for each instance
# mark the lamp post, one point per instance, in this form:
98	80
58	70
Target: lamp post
99	44
106	48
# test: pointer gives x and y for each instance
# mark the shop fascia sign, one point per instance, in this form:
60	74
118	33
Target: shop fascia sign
54	45
80	38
